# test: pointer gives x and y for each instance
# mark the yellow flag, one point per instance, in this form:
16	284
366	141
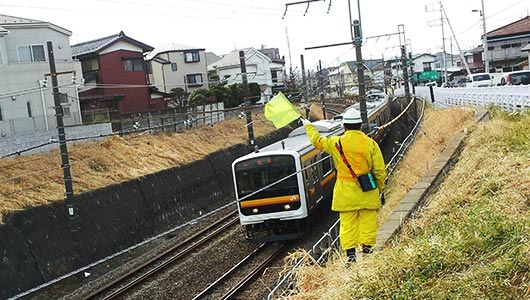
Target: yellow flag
280	111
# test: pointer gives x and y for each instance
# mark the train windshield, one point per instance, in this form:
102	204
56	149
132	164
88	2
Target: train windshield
259	172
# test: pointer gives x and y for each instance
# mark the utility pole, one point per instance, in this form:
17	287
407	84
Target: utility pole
485	42
486	60
405	72
65	164
462	58
73	220
360	73
246	99
443	44
412	73
321	84
304	87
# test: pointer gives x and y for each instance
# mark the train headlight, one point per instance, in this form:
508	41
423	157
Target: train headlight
255	210
287	206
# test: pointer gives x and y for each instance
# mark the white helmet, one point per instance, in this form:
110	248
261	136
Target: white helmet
351	116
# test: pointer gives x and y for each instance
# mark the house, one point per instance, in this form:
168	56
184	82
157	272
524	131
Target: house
505	46
178	66
258	67
346	75
115	78
26	101
277	66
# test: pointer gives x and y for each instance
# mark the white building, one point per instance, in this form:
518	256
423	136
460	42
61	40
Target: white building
258	67
178	66
26	99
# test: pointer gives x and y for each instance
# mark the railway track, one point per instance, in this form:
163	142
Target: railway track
243	272
151	267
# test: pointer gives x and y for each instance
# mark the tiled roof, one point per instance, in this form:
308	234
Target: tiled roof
95	46
514	28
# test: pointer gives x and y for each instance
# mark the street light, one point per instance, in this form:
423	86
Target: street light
485	40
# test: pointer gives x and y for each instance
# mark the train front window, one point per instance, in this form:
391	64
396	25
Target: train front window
259	172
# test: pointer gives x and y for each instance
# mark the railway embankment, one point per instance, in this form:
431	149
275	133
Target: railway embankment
465	238
426	185
42	243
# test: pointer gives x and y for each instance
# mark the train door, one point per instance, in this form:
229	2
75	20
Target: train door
312	180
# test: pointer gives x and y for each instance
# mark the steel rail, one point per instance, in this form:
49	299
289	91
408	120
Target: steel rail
165	263
247	277
253	273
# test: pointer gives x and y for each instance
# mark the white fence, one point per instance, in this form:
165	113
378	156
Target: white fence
508	98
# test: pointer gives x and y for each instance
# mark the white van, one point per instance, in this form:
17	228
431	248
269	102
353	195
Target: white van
479	80
516	78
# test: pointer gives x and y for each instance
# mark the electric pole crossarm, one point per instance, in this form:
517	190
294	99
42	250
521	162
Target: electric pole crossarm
301	2
330	45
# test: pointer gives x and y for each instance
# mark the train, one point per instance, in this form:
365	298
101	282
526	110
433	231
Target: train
279	186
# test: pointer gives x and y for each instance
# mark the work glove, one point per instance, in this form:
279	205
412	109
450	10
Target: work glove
382	198
304	121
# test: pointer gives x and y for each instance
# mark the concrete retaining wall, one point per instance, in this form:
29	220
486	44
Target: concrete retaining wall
43	243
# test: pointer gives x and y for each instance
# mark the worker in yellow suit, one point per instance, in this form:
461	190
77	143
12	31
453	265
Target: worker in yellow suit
357	208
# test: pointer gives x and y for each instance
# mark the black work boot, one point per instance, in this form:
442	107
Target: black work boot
351	255
367	249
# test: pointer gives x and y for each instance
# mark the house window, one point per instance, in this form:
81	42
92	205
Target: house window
63	98
90	65
491	48
31	53
191	56
427	66
28	107
133	64
1	115
66	111
274	76
194	79
174	67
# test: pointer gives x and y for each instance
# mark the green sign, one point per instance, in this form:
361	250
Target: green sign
429	76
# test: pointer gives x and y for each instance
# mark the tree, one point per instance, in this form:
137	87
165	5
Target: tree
178	97
201	97
221	94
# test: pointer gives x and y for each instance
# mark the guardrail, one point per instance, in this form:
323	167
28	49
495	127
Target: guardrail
510	98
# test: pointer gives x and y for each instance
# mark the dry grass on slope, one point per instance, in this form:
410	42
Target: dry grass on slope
32	180
470	241
437	130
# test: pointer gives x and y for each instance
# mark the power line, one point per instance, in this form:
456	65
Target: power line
240	15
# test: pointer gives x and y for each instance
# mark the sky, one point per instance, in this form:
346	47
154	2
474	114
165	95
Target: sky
221	26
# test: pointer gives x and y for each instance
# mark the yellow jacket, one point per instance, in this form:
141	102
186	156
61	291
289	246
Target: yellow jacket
364	156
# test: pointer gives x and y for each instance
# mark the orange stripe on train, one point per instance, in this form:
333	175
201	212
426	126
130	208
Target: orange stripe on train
269	201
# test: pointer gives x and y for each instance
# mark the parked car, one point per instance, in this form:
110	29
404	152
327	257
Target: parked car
479	80
516	78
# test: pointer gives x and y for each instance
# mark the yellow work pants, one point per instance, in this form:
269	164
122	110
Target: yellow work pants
358	227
